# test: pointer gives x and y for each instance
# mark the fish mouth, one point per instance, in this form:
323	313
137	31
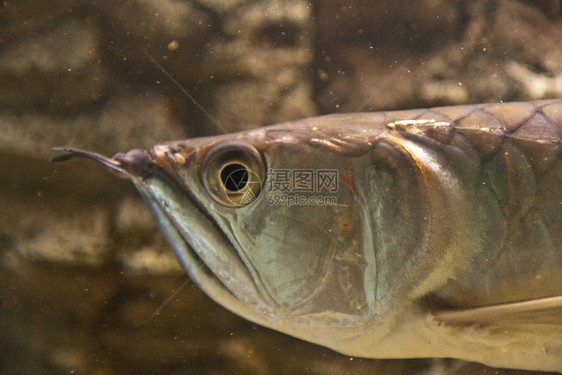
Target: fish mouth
204	252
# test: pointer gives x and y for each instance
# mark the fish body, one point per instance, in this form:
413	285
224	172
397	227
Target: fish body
420	233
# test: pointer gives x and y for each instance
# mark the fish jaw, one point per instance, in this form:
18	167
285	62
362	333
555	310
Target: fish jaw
182	223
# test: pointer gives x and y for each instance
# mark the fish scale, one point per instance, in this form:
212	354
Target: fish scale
440	235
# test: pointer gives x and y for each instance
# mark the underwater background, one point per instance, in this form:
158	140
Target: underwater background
87	284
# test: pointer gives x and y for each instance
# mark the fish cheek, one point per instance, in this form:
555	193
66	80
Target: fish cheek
288	251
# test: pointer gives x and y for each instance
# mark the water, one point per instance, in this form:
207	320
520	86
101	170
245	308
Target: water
85	278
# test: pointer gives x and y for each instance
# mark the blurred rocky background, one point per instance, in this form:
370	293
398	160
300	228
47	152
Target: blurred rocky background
87	285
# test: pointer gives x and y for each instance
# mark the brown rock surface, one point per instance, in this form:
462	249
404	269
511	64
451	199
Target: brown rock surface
87	284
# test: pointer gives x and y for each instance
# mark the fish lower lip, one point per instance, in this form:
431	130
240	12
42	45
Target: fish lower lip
186	256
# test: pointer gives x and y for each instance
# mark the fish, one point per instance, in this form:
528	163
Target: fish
402	234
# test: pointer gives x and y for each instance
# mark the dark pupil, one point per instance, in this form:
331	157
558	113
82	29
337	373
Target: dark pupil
234	176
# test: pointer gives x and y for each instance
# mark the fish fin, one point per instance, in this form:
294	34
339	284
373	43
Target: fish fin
541	311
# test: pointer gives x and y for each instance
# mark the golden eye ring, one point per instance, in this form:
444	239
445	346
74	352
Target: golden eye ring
233	173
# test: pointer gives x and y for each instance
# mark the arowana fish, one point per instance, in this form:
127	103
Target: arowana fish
420	233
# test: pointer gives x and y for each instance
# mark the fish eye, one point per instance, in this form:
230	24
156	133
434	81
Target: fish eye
233	173
234	176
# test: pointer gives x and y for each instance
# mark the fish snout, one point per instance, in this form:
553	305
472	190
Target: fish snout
136	163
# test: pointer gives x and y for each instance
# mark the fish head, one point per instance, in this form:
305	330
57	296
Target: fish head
266	224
